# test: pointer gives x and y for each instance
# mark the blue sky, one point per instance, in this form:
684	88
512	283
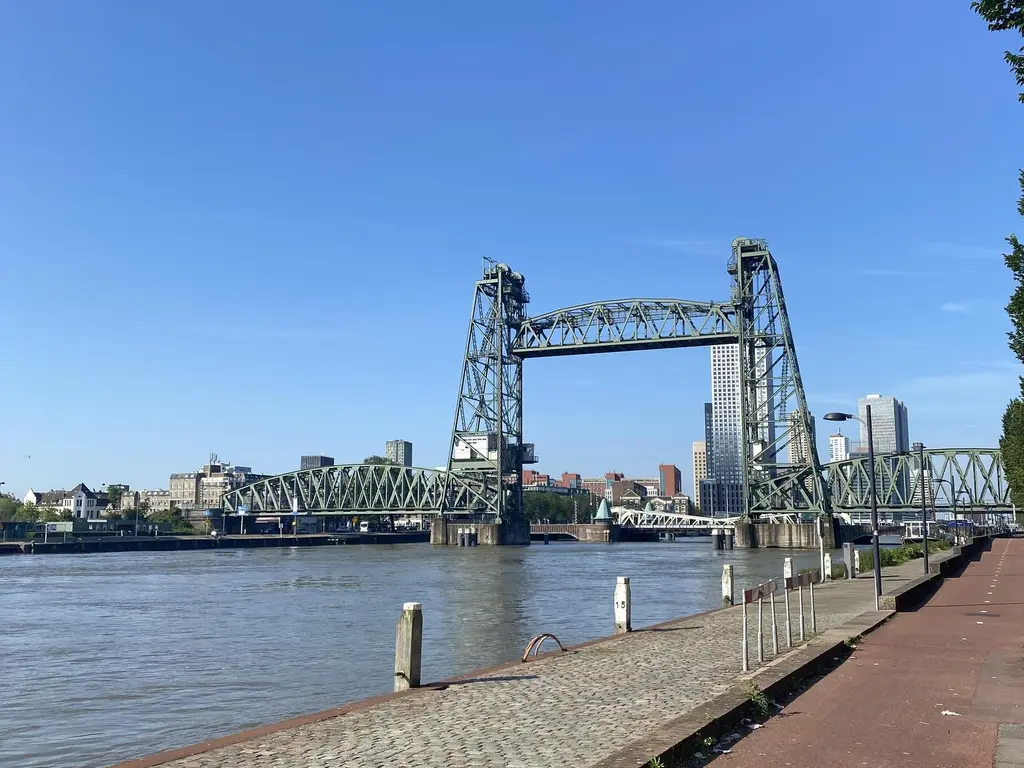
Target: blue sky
254	227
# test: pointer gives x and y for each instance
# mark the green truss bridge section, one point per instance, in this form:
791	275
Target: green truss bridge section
363	489
973	478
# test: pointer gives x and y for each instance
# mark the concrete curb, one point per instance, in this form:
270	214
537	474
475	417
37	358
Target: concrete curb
680	738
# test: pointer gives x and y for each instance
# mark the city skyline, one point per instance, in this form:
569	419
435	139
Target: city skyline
361	204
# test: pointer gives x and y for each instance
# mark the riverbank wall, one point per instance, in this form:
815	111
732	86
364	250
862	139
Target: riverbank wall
176	543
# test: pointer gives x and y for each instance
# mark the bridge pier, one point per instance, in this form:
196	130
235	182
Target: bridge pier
446	531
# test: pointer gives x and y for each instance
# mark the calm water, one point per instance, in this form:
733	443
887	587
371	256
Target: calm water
106	657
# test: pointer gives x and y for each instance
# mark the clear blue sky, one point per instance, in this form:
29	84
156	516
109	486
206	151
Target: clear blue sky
253	227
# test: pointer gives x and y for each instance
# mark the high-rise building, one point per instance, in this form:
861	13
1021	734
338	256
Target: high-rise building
724	464
838	447
315	462
399	451
888	424
700	469
800	444
670	480
891	434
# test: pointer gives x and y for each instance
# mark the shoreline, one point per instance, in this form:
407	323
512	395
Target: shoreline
191	543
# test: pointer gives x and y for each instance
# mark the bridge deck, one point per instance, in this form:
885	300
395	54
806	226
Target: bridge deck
577	709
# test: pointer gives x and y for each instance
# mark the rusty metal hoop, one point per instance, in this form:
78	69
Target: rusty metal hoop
535	644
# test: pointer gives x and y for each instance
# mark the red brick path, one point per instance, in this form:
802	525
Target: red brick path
962	652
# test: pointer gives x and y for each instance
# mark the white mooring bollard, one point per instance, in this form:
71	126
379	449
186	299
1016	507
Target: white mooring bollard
828	566
623	606
728	595
409	647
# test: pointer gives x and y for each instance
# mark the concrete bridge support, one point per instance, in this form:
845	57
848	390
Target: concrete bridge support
445	530
751	535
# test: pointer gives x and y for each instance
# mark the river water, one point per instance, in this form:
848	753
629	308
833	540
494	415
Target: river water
112	656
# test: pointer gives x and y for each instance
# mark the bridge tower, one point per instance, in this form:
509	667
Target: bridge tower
775	420
487	432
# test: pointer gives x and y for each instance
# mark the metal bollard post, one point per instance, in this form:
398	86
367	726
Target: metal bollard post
800	597
789	622
760	633
746	662
775	626
828	567
848	560
408	647
623	606
856	562
787	568
727	587
814	619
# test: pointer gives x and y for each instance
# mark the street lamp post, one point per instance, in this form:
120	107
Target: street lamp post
875	550
924	504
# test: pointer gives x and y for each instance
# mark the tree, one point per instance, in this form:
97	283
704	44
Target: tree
378	460
172	516
1002	16
114	495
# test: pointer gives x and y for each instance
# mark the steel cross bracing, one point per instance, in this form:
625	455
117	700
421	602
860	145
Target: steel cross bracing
487	433
363	489
486	440
643	518
775	418
626	324
975	474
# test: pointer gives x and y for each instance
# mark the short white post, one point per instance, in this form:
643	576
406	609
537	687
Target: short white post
856	562
409	647
623	606
746	662
828	567
800	597
787	568
814	619
821	546
789	620
760	633
775	626
727	590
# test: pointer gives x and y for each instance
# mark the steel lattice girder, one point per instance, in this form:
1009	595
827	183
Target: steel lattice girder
976	473
775	413
625	324
363	489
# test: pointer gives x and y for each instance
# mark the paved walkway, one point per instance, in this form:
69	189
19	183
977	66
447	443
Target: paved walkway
572	709
929	689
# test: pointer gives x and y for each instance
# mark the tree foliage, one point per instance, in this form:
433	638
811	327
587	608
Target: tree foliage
172	516
539	506
1003	16
114	495
14	511
378	460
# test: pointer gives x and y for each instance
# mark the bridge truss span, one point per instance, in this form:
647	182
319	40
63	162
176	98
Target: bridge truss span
625	324
972	477
362	489
676	521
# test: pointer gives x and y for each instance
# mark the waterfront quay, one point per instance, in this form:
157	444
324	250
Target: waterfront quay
56	545
618	701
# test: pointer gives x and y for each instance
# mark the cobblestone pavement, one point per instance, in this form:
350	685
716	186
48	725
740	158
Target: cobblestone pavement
573	709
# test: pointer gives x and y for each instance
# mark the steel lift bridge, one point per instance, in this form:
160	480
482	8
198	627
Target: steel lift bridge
483	478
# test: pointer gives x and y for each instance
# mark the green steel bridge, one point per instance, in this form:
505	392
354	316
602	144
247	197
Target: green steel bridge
487	450
384	489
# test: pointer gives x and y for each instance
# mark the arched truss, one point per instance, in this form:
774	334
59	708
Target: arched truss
625	324
973	476
363	489
487	438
